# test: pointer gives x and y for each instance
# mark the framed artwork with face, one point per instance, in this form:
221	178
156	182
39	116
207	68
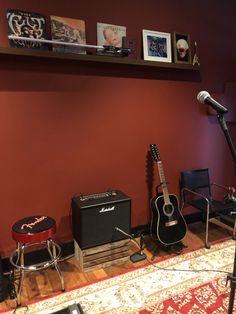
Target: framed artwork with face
110	34
181	48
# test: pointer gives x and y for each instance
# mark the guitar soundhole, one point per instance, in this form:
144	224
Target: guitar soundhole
168	210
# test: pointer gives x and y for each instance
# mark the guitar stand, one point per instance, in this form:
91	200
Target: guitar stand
177	248
155	253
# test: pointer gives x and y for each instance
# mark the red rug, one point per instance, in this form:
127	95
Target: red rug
211	298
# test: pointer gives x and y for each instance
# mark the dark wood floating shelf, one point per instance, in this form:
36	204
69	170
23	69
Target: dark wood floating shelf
18	52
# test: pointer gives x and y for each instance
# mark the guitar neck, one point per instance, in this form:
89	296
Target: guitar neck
163	182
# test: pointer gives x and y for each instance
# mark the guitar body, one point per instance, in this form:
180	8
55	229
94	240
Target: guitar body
167	224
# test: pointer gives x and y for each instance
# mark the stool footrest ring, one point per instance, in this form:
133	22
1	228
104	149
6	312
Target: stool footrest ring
14	259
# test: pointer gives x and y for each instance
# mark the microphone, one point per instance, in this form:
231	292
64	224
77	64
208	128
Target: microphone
205	98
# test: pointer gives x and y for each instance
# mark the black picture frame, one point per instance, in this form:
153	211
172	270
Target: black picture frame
181	48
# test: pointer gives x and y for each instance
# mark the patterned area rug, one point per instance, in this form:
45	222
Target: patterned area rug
192	283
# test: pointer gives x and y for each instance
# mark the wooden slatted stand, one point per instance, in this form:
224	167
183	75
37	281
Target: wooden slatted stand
103	255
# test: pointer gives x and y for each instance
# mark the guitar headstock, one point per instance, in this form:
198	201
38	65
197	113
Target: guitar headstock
155	153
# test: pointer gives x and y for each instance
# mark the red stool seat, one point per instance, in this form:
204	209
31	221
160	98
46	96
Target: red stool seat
34	229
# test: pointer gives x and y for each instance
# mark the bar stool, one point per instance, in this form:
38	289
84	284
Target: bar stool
29	232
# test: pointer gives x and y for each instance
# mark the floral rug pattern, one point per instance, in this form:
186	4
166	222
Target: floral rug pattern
193	282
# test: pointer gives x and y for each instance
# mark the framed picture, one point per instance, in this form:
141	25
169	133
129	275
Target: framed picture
110	35
156	46
69	30
181	48
26	24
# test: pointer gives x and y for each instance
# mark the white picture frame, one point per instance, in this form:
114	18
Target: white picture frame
156	46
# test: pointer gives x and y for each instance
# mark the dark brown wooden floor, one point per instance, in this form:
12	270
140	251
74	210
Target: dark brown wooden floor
43	283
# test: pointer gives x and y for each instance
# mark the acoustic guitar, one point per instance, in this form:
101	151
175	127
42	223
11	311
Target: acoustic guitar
167	223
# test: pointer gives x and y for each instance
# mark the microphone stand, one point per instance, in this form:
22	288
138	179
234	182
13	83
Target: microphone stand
224	127
138	256
230	277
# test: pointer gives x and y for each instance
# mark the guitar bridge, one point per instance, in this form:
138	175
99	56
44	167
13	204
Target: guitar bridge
171	223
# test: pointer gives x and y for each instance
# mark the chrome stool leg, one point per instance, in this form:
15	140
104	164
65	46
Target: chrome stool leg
49	247
55	256
22	264
18	254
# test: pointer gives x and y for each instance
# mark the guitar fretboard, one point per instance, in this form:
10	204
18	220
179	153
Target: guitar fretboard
163	182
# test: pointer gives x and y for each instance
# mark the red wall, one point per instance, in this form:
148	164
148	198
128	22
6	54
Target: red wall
67	128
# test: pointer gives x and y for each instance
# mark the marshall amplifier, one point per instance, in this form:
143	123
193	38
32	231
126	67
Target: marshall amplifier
95	216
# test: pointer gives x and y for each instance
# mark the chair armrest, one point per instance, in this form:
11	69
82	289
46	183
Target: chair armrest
195	193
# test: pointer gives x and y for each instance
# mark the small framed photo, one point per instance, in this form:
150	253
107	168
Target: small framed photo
110	34
156	46
181	48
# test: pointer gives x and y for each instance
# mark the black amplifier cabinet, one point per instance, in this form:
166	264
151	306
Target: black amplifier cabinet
1	282
95	216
